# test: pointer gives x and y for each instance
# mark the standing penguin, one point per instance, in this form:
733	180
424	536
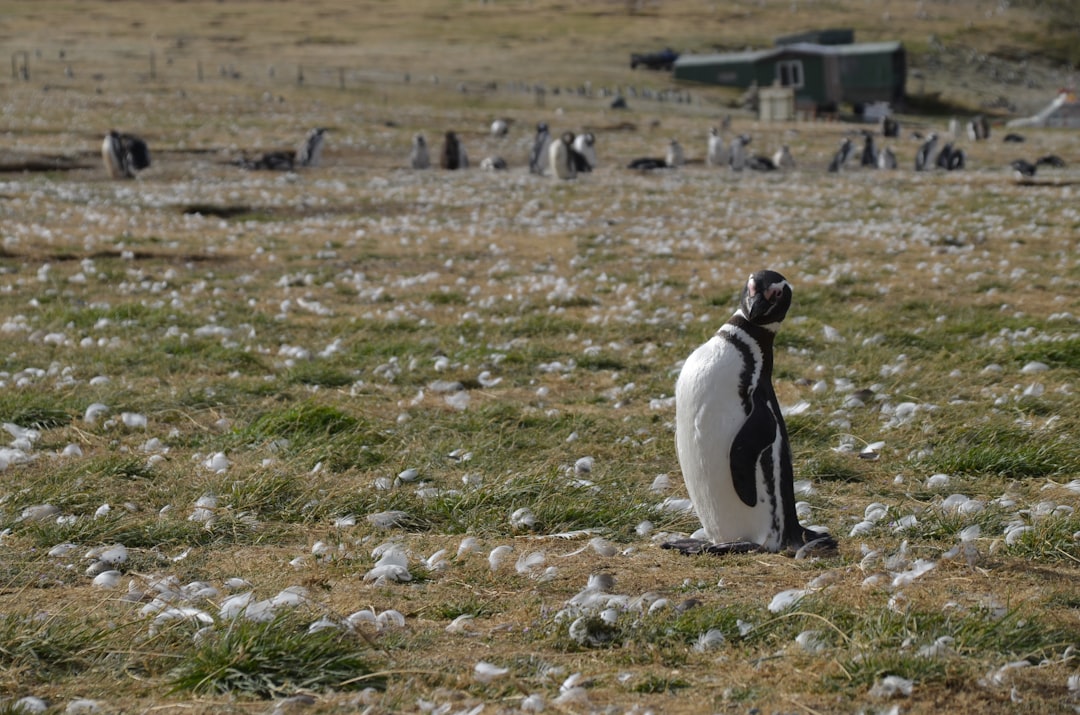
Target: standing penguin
674	157
585	145
731	438
922	157
869	152
538	157
714	152
783	158
886	159
310	152
737	160
841	156
419	158
453	153
559	157
114	157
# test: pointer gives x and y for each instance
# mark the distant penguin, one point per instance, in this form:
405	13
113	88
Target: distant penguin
310	152
674	157
500	128
869	152
124	154
1025	170
585	146
647	163
493	163
890	128
1051	160
453	153
954	128
978	129
737	157
1013	138
559	157
950	158
714	153
538	157
923	156
886	159
730	435
419	157
757	162
842	155
783	158
114	157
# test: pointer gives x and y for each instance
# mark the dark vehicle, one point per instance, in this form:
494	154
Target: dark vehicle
662	60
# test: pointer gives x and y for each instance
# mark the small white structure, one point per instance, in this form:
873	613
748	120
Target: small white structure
776	104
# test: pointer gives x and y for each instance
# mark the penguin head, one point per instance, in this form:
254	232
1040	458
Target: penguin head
766	298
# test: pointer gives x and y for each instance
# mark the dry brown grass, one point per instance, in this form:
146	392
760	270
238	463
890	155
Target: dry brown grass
937	264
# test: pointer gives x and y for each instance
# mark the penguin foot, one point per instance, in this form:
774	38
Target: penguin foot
690	547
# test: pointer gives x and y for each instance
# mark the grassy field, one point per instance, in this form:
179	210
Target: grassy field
381	440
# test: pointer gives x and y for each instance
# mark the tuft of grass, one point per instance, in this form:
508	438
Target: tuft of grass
275	658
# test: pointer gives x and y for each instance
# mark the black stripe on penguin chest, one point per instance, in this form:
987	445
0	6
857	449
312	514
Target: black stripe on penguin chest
760	440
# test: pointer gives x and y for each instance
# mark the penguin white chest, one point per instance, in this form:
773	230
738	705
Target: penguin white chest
559	159
712	406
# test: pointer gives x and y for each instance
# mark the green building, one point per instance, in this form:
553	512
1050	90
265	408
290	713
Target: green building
822	76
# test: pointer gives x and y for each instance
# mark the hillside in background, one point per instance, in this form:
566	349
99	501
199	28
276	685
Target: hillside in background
983	55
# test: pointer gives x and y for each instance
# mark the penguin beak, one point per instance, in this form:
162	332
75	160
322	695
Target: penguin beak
757	306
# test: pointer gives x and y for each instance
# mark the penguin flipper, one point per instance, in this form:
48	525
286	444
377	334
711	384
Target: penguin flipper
751	447
690	547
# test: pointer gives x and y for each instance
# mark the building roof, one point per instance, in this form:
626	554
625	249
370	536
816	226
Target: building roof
799	48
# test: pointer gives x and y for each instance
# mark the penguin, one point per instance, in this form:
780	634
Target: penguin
493	163
890	128
978	129
737	159
886	159
559	157
310	152
783	158
585	145
453	153
758	162
124	154
675	156
714	153
271	161
1051	160
922	157
538	157
1013	138
869	152
114	157
950	158
647	163
419	158
136	151
1025	170
500	128
730	436
841	156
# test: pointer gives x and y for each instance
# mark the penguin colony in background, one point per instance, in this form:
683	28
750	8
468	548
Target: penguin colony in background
124	154
730	436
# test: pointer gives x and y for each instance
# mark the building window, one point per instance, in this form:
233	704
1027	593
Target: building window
790	73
